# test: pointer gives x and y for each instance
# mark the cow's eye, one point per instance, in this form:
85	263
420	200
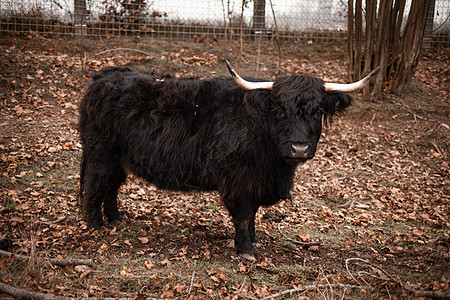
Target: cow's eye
281	112
318	114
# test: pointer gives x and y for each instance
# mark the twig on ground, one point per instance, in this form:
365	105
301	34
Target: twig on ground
350	273
328	282
428	294
24	294
191	285
32	258
307	244
313	287
351	204
238	294
415	116
409	109
124	49
437	149
123	276
48	223
370	264
372	275
54	223
271	271
53	261
373	118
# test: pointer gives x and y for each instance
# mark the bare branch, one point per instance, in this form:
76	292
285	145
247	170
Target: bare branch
191	285
298	242
370	264
124	49
53	261
24	294
313	288
428	294
238	294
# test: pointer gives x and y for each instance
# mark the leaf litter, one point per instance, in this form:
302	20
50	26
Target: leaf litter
377	190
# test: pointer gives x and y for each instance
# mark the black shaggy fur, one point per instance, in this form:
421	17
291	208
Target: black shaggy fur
192	134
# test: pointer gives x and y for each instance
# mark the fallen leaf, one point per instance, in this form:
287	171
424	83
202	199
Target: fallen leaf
143	240
166	262
242	269
304	236
149	264
126	272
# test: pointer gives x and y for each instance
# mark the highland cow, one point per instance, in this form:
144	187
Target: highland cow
242	138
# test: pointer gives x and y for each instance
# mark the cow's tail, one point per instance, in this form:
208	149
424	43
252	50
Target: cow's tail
81	194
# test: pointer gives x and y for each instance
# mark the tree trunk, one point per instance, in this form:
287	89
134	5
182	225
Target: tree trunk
350	47
259	15
79	17
383	46
358	39
371	9
412	44
396	38
386	45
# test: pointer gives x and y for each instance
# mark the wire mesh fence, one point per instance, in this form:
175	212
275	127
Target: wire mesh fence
324	20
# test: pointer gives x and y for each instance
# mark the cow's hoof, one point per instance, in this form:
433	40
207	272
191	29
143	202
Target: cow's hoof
248	257
97	225
114	221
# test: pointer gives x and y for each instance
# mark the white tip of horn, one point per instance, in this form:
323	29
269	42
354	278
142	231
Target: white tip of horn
247	85
350	87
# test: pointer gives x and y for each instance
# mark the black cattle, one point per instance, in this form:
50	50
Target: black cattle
243	139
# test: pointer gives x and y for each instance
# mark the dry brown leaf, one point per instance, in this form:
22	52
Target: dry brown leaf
143	240
126	272
148	264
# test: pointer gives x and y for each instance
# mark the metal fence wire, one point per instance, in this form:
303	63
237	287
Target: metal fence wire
304	20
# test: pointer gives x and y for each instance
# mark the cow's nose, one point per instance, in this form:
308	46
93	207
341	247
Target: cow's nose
300	150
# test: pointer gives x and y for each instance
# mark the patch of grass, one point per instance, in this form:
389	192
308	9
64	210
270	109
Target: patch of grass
367	106
288	244
213	208
10	204
297	270
59	174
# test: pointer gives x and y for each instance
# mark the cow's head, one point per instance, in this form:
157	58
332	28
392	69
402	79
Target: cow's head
299	104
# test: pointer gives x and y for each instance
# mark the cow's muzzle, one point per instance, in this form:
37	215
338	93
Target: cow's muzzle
301	151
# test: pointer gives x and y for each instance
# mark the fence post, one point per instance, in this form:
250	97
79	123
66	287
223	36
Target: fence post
79	17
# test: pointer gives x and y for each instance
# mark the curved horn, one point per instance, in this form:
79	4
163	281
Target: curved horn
248	85
350	87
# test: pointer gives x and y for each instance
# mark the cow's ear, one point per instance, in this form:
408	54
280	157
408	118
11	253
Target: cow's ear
335	102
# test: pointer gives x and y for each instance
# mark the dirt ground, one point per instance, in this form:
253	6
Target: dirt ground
375	197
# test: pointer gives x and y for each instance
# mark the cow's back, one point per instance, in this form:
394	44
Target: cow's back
162	130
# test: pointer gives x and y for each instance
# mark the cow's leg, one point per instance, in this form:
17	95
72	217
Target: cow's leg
242	241
101	178
92	198
110	206
243	215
